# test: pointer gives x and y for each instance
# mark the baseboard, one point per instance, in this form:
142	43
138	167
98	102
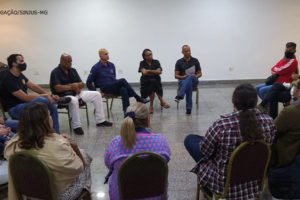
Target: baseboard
201	82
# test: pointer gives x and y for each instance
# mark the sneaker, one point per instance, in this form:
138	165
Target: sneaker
64	100
188	111
178	98
105	123
78	131
143	100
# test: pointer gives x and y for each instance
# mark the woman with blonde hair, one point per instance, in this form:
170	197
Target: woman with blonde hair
135	137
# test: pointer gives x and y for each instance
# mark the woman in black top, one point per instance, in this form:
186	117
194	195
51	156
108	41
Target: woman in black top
150	79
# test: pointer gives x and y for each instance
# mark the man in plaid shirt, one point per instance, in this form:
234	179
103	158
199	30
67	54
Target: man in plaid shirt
212	152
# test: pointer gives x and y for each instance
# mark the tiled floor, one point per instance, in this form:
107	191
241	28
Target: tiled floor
174	124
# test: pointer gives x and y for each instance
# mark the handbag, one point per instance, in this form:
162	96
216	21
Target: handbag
271	79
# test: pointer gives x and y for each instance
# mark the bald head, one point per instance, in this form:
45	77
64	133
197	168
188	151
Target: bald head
186	51
65	61
103	54
185	46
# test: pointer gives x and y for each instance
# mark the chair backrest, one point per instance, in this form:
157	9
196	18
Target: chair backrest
248	162
31	177
143	175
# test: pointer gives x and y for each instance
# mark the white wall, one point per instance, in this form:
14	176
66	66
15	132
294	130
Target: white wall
247	36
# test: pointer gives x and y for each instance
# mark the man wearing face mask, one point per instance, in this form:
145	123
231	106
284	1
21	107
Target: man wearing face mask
14	91
284	69
287	70
287	65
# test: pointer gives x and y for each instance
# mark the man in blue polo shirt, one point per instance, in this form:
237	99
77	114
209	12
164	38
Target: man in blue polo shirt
65	81
103	76
187	71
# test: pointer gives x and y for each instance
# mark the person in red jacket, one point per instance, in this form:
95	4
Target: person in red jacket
284	68
287	69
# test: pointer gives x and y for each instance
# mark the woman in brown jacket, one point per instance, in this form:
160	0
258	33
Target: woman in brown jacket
69	166
284	171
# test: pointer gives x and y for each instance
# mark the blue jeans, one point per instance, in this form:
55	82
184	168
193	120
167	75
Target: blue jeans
12	124
262	90
284	182
186	88
121	87
192	145
15	112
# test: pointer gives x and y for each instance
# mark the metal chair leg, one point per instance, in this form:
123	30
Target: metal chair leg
70	120
178	89
107	108
198	192
111	103
87	114
197	98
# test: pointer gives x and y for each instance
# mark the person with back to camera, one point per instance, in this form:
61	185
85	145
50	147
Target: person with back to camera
69	165
283	173
135	137
213	151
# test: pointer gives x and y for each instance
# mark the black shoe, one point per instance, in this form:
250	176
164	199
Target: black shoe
78	131
178	98
188	111
143	100
105	123
81	102
64	100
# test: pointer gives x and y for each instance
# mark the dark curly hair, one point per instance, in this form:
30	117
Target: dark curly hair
244	98
34	126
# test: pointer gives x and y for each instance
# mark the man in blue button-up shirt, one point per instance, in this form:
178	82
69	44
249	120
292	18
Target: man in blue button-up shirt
103	76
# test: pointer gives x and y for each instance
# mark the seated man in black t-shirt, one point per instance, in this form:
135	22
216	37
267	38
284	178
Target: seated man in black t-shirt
65	81
14	91
187	71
